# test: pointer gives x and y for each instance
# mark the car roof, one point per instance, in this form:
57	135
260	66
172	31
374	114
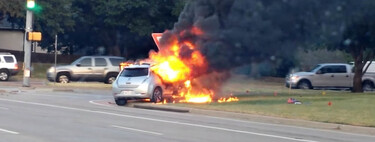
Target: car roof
138	66
5	53
333	64
105	56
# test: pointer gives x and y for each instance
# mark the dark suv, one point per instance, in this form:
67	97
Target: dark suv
87	68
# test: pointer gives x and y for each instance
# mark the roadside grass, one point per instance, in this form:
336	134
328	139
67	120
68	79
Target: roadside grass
38	70
269	97
88	85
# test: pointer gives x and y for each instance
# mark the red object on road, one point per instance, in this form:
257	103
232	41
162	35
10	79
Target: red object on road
329	103
291	101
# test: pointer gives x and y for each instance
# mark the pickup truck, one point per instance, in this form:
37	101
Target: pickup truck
328	75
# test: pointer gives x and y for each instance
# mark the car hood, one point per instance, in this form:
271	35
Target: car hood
59	68
303	73
63	67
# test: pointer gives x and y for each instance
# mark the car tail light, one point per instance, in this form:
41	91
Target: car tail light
16	66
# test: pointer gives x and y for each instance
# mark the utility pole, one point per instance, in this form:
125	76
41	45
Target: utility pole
54	82
27	49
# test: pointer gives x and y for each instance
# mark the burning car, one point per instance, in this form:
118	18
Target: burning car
138	82
142	81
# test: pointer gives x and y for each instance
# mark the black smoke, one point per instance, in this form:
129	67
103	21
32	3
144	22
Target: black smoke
240	32
234	33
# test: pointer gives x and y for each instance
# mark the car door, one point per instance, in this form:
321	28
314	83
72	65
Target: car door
334	76
100	67
340	76
323	77
83	69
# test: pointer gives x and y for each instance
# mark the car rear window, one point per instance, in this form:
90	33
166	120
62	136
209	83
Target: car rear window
9	59
134	72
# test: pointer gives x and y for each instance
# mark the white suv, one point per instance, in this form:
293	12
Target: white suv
8	66
139	82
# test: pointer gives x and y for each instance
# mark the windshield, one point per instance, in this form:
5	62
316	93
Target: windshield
315	68
76	61
134	72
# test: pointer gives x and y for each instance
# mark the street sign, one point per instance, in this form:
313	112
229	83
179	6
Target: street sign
157	37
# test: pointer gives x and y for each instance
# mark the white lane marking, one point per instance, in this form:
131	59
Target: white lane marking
159	120
74	96
70	96
8	131
138	130
297	127
4	108
95	103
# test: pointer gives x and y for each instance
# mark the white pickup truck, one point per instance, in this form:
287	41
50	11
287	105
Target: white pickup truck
332	75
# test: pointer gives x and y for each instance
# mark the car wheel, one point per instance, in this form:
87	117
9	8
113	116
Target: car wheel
4	75
304	85
121	102
367	86
157	95
110	79
63	78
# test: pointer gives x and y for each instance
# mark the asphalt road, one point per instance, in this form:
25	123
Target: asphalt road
47	116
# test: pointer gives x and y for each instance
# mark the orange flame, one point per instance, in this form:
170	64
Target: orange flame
230	99
125	64
196	31
196	97
177	69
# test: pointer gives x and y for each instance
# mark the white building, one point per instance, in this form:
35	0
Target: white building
11	39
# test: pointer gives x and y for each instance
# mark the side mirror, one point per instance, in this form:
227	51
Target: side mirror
78	64
319	72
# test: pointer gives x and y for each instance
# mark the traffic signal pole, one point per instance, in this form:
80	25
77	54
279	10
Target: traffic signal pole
27	50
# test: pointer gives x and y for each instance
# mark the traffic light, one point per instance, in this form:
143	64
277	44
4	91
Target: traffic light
30	4
34	36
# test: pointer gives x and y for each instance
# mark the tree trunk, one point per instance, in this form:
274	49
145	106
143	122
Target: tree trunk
358	73
357	81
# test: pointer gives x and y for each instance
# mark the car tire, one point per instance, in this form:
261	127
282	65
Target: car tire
367	86
304	84
110	79
4	75
121	102
63	78
157	95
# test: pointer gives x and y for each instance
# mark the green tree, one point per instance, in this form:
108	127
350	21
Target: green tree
351	28
122	27
14	8
54	17
13	11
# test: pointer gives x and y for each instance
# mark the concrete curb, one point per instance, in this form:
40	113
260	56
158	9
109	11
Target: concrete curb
161	107
62	90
